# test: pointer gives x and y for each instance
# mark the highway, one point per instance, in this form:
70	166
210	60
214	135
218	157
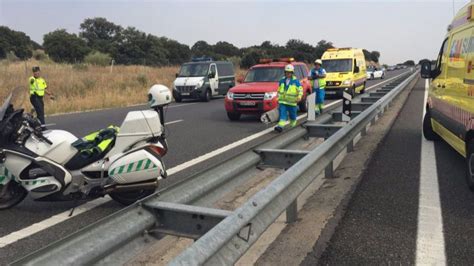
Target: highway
412	205
194	129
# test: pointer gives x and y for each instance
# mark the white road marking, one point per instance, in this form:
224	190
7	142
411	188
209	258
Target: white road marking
174	122
51	221
179	105
430	248
45	224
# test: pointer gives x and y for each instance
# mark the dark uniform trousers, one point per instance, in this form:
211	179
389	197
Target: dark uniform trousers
38	104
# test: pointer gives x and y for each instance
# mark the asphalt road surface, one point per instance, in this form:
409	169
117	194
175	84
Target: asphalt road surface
195	128
412	206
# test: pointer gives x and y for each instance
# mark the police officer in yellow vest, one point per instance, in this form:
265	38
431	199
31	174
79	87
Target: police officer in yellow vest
38	88
290	93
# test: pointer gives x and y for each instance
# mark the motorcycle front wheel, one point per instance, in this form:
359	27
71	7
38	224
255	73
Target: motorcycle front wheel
130	197
11	194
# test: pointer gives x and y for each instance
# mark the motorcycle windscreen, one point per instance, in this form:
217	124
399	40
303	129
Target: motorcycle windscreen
136	167
3	108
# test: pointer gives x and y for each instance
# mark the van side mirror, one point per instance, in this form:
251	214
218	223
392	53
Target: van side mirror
212	75
356	69
177	75
240	79
426	71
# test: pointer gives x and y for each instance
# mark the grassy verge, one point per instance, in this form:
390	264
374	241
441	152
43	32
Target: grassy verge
85	87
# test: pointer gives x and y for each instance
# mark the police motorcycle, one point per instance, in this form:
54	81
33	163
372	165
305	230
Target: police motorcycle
54	165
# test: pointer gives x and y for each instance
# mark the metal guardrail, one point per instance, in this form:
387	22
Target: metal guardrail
224	244
222	236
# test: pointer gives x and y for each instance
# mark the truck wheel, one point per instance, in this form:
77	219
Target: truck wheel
206	97
428	131
130	197
233	116
353	91
470	164
383	75
303	105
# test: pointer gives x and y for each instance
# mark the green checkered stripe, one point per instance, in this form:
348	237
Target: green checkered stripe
5	174
34	182
141	165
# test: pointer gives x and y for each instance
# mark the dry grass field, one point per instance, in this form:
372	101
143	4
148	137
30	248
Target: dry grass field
85	87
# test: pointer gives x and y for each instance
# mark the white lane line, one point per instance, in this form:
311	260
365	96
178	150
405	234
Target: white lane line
174	122
35	228
430	248
53	220
179	105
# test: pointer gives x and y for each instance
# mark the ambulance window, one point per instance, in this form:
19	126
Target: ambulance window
442	52
457	53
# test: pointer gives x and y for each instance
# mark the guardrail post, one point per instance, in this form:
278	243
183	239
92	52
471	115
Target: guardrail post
350	146
328	171
292	212
363	132
372	122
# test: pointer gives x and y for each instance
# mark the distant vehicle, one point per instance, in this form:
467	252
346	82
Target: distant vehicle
257	92
450	104
203	79
346	69
375	73
391	68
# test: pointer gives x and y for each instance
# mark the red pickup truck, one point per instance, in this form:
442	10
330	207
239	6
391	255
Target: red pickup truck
257	92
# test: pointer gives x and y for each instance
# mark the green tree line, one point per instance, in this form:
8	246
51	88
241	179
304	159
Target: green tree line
99	41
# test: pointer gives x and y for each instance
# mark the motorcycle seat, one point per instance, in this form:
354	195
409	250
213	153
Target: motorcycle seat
93	147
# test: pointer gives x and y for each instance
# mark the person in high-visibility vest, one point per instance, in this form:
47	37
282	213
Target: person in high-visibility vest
317	76
290	93
38	88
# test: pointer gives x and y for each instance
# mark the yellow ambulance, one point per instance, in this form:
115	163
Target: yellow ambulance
450	105
345	71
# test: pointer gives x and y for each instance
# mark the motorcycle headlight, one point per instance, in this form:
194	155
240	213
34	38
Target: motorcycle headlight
347	82
230	95
270	95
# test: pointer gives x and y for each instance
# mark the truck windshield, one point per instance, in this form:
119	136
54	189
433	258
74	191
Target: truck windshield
337	65
264	74
193	70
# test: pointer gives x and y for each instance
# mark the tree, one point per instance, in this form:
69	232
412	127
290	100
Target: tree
177	53
62	46
374	56
16	42
321	47
300	50
202	48
251	58
226	49
367	54
409	63
138	48
101	34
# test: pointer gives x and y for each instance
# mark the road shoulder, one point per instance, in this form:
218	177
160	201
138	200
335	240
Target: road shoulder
305	240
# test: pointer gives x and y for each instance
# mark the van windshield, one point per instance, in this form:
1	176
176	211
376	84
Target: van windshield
193	70
337	65
264	74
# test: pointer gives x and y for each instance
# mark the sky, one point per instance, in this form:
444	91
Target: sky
400	30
